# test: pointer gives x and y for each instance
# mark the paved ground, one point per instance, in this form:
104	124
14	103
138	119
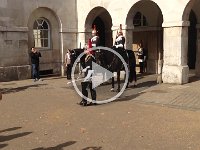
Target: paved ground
45	116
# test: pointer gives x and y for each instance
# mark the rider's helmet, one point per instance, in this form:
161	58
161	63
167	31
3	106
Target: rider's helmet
94	31
120	30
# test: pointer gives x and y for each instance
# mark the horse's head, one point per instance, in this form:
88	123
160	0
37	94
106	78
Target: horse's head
100	57
75	54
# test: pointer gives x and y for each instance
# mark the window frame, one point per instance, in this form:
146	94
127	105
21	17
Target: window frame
37	30
141	19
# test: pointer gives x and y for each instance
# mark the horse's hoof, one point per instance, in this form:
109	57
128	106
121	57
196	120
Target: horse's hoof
135	84
112	90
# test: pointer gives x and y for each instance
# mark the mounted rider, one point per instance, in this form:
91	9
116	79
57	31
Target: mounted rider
119	44
95	38
120	40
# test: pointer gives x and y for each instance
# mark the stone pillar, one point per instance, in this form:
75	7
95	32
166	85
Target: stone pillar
175	68
114	32
81	38
62	53
129	37
197	68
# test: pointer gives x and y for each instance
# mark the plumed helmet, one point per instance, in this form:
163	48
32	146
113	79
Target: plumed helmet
94	31
120	29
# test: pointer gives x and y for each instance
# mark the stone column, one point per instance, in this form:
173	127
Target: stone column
175	68
197	68
62	53
114	29
129	37
81	38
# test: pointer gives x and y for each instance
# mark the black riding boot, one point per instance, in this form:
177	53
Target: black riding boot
93	94
84	92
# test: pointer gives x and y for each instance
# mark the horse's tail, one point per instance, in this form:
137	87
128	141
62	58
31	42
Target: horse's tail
132	66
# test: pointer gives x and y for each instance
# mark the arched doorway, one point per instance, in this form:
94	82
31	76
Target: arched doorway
191	14
144	23
44	35
100	17
101	30
192	38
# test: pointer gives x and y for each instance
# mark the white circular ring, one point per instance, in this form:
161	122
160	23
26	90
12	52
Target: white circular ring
110	99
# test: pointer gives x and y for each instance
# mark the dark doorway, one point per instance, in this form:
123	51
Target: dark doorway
192	38
100	30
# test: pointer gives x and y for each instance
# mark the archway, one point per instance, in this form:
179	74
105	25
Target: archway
48	43
144	23
100	17
192	14
101	30
192	38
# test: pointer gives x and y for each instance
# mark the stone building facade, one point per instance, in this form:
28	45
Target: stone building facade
170	31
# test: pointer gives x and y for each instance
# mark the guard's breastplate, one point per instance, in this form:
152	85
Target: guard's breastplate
120	41
95	41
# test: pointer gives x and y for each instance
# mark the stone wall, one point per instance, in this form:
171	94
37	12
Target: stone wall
71	22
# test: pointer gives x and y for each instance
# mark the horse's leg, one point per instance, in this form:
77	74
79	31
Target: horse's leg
125	76
113	84
135	77
118	80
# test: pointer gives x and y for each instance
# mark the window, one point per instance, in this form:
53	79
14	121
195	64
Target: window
41	33
139	20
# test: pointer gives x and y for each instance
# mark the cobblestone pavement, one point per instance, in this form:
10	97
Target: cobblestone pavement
185	96
45	116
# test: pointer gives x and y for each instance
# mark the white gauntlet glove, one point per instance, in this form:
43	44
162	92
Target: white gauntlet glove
84	70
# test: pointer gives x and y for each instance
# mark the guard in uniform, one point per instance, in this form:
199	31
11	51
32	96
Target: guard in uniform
141	56
95	38
87	83
119	44
120	40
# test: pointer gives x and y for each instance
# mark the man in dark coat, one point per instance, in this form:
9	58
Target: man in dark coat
35	60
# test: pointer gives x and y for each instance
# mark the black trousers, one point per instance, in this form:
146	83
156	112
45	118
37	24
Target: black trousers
69	71
141	67
85	86
35	69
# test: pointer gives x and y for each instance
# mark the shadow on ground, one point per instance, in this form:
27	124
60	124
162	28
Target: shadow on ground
58	147
92	148
5	138
14	136
193	79
10	129
133	96
3	145
18	89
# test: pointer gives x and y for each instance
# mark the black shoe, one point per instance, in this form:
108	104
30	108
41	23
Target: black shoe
90	104
83	103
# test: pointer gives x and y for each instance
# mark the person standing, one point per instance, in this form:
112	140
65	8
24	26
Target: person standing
68	64
140	55
87	83
35	60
